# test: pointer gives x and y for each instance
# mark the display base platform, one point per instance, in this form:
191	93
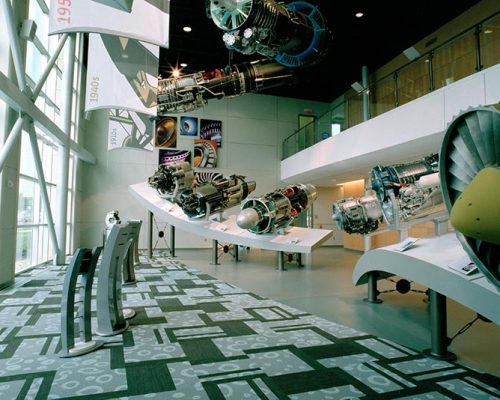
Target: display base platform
430	263
295	239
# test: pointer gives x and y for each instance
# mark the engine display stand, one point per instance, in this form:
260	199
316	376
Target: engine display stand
295	240
428	262
82	263
110	314
132	257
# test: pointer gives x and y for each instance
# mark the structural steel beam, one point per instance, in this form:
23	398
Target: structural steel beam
23	104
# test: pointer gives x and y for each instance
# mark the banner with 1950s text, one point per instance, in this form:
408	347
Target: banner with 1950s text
146	20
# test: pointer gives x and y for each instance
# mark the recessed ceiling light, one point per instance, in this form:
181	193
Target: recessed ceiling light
187	29
359	14
183	65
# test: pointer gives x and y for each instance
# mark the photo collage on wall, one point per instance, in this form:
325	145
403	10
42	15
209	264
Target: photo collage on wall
207	138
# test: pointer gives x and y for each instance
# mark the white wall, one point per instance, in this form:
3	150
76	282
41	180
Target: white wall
254	127
404	133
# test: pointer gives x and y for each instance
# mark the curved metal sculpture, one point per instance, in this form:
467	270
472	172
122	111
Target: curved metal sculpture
215	196
275	211
471	144
294	34
170	179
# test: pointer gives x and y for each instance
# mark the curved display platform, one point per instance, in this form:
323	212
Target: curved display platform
427	262
296	240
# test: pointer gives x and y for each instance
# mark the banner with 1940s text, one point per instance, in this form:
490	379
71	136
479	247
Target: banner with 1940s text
121	73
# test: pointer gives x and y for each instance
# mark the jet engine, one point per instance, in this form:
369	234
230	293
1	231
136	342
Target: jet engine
275	211
215	196
170	179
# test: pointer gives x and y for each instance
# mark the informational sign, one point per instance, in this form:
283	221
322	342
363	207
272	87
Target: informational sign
121	73
146	20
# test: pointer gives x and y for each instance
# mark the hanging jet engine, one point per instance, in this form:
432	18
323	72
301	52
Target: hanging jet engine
408	191
360	215
215	196
294	34
170	179
189	92
275	211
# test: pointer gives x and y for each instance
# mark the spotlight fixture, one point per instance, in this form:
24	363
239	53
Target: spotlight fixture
183	65
357	87
187	28
359	14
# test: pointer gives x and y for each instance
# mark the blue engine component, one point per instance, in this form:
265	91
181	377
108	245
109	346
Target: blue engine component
294	34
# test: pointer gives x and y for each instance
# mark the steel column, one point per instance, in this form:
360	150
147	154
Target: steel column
64	149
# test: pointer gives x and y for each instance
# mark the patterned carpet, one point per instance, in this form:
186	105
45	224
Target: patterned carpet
195	337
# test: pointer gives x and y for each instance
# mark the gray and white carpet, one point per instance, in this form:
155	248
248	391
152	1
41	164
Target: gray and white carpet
195	337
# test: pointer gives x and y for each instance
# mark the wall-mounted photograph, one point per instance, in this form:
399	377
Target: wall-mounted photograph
205	153
166	132
188	126
169	156
211	129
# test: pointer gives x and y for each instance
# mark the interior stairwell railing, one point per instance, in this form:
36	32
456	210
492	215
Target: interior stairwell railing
471	51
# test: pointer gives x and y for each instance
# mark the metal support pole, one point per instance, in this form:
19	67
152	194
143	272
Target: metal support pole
64	149
215	252
299	260
150	234
172	241
11	141
281	261
439	339
15	47
477	35
366	99
372	288
236	252
49	66
43	185
431	72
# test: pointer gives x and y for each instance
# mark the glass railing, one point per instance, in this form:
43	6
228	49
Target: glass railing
471	51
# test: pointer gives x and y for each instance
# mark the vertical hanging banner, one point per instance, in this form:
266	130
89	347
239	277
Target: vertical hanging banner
130	129
121	73
145	20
